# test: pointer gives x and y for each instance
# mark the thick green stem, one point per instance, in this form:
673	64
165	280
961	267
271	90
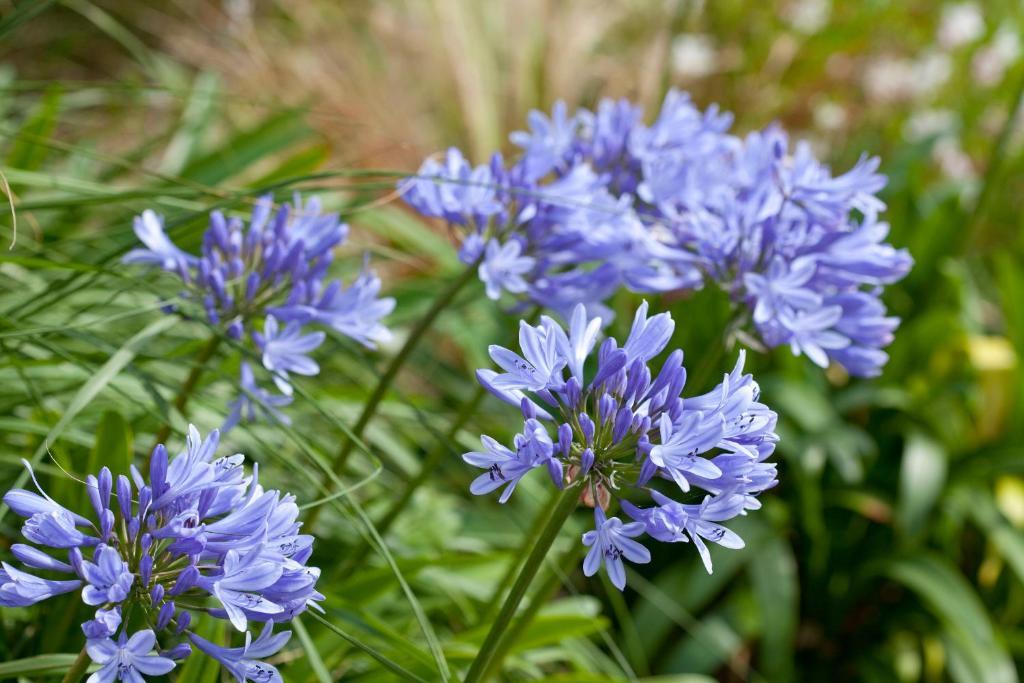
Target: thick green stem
78	668
516	561
181	400
540	598
427	469
444	299
566	503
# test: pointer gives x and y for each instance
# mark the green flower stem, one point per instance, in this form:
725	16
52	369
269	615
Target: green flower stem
443	300
427	469
561	511
539	598
181	400
78	668
516	561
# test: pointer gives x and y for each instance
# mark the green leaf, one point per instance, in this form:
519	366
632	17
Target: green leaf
23	11
114	443
922	476
776	590
970	635
103	376
40	665
277	133
309	647
26	152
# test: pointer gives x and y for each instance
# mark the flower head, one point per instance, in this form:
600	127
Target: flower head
600	200
198	528
264	282
623	427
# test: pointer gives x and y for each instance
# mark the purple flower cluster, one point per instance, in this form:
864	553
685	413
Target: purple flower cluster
264	283
627	433
200	530
599	200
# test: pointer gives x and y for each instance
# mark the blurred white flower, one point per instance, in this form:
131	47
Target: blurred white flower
929	123
894	79
961	23
952	160
829	116
991	62
694	55
808	16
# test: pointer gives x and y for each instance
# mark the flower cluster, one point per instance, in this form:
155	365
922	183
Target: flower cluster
199	532
264	283
621	430
599	200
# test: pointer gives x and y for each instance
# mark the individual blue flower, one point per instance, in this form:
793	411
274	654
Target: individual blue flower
109	578
537	368
609	542
673	522
624	425
285	351
243	662
503	267
249	279
198	531
503	466
255	403
21	589
159	251
127	659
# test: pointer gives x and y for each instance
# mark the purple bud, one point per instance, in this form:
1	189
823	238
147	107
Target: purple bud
527	407
606	407
217	284
124	496
184	620
586	460
75	559
145	570
294	259
252	283
146	542
638	378
106	524
623	421
106	483
218	231
92	487
236	267
647	470
235	329
211	309
157	472
555	470
616	361
188	578
587	425
145	499
165	615
573	393
298	294
133	529
156	594
564	439
178	652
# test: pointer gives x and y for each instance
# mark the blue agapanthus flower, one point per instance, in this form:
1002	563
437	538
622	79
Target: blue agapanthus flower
264	284
198	530
599	200
622	430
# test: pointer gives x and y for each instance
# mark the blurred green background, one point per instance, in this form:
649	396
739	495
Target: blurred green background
893	549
